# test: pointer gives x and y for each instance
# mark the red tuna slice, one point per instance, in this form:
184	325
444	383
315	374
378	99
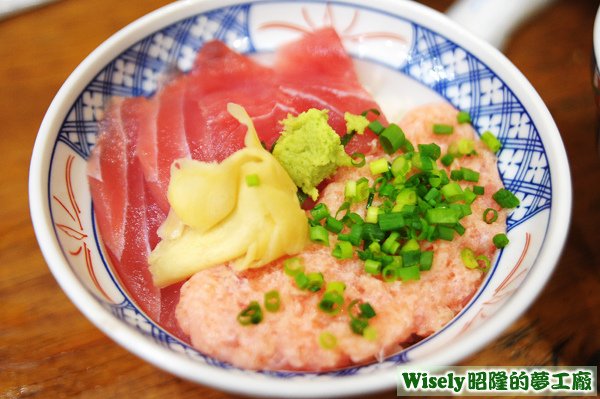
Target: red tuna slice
162	138
125	214
317	72
221	76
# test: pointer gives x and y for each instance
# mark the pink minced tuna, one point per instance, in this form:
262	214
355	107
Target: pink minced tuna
289	339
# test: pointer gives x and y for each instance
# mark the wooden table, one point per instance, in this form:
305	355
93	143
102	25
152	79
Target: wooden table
49	350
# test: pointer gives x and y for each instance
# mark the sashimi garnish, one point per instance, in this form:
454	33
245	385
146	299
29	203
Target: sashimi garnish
139	139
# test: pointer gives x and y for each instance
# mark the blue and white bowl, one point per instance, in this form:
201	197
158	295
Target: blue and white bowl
406	54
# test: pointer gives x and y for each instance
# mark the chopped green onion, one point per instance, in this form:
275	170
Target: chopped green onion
336	286
456	175
391	221
355	235
370	333
411	245
491	141
358	326
462	147
470	196
441	216
388	274
301	280
479	190
500	240
401	166
452	192
486	261
332	302
252	314
488	219
374	247
459	228
272	301
379	166
372	214
408	273
426	260
345	139
333	225
319	234
445	233
432	150
366	311
407	196
469	174
344	207
374	111
293	266
447	160
506	199
358	159
390	245
372	232
327	340
342	250
410	258
440	128
391	138
372	266
319	212
468	258
252	180
463	117
350	190
376	127
315	281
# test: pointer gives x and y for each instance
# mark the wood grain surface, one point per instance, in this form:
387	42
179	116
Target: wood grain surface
48	349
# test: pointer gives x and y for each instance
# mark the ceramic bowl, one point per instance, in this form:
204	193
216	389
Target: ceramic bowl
406	54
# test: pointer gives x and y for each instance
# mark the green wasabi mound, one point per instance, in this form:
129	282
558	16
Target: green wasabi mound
310	150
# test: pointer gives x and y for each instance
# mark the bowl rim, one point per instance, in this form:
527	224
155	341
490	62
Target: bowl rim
260	384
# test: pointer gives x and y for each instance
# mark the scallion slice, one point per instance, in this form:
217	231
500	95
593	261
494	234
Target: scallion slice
372	214
327	340
441	216
272	301
319	234
379	166
408	273
342	250
447	160
391	221
319	212
376	127
331	302
252	180
372	267
333	225
252	314
336	286
391	138
490	219
293	266
506	199
491	141
432	150
468	258
440	128
315	281
500	240
358	159
463	117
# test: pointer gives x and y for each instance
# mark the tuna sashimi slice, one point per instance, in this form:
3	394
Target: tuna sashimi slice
124	216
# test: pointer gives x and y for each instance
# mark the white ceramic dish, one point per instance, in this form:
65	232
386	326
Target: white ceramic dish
428	57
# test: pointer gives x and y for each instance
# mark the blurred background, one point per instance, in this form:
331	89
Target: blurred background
48	349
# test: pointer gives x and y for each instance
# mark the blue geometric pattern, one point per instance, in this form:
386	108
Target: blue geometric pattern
433	61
